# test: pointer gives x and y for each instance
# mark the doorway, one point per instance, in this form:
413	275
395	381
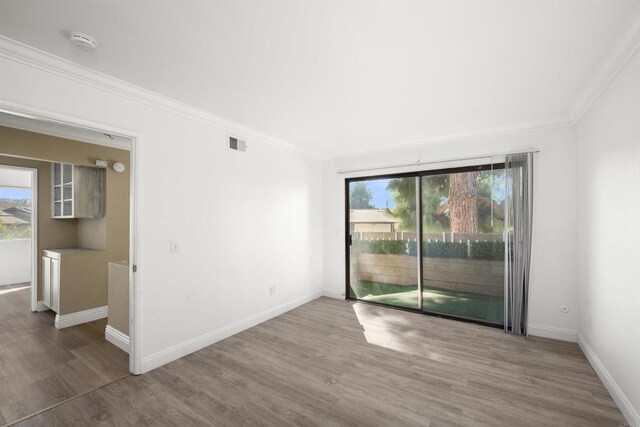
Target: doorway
431	242
18	230
78	337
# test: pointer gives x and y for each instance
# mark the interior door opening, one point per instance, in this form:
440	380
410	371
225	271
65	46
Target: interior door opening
430	242
82	256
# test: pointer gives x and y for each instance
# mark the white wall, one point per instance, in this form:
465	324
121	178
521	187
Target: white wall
609	229
244	221
554	262
15	261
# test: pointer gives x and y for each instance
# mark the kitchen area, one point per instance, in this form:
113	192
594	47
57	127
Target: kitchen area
82	228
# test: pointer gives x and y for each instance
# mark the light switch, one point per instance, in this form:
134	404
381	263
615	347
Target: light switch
174	247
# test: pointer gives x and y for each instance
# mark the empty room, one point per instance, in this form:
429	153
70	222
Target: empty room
320	213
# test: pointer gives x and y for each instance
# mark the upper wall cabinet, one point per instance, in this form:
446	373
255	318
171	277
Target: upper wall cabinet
78	191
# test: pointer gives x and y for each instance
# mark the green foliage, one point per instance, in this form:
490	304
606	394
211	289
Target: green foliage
403	191
435	191
487	250
440	249
360	196
398	247
493	251
435	195
13	232
479	250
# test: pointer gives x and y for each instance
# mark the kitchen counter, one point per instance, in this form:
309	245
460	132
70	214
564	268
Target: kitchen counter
55	253
76	280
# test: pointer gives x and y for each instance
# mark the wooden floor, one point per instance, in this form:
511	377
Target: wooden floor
41	366
332	363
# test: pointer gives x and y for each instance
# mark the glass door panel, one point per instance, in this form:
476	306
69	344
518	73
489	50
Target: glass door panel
463	245
383	228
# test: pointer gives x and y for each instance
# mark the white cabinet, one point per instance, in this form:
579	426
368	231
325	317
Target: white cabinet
51	282
77	191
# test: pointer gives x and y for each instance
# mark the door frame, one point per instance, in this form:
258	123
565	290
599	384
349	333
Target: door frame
33	175
135	139
417	174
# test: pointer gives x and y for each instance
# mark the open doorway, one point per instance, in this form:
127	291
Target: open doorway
18	195
67	316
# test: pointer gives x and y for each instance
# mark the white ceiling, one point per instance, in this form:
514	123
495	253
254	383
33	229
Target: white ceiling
343	76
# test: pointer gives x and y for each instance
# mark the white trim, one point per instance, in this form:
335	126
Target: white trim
35	256
333	294
67	320
552	332
32	57
627	409
117	338
41	306
177	351
625	46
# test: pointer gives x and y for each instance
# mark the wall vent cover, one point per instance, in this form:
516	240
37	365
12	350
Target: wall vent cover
237	144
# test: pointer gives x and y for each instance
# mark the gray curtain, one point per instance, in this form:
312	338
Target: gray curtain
518	222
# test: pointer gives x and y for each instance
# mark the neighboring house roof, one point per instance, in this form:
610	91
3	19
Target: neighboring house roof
373	216
22	213
7	219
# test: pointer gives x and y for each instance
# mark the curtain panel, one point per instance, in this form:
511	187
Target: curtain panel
518	226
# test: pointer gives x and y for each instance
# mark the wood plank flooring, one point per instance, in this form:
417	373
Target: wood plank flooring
334	363
41	366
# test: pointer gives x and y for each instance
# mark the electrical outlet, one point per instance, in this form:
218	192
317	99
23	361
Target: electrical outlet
564	309
174	247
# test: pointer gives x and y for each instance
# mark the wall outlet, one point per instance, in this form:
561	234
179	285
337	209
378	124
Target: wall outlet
564	309
174	247
272	290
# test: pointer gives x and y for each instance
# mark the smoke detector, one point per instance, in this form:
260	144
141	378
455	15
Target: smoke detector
83	41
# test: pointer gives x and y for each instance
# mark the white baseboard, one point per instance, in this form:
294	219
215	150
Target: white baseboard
41	307
627	409
552	332
177	351
117	338
333	294
85	316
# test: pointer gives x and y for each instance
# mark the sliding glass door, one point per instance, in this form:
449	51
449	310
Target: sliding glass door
431	241
383	226
463	245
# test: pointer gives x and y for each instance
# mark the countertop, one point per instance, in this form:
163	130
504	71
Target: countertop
71	250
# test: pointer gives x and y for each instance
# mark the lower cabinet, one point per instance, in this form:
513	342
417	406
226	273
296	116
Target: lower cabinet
51	282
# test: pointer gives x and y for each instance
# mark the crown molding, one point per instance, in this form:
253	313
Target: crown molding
36	58
620	52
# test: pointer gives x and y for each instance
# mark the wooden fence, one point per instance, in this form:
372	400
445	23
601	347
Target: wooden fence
454	274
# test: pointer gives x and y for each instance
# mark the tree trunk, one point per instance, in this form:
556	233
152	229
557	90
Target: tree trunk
463	202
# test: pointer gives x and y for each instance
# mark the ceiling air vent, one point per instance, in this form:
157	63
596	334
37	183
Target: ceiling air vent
237	144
